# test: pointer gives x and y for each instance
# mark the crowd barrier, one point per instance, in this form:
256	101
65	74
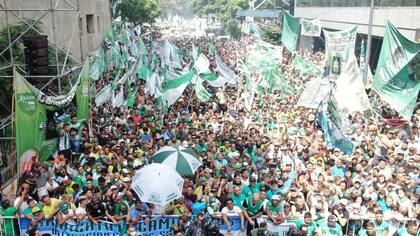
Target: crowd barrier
158	225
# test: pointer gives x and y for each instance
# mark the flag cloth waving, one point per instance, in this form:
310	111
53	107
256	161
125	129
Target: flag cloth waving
395	80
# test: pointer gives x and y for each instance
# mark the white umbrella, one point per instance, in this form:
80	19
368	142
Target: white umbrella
158	184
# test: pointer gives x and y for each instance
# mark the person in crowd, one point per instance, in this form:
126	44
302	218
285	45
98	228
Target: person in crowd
265	159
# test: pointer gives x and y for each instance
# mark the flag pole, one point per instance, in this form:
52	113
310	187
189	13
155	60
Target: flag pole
14	140
369	41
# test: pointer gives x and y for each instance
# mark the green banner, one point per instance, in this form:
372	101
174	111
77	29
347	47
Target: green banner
290	33
339	46
82	93
395	80
30	119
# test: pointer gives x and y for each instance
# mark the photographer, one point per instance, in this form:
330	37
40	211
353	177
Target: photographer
198	227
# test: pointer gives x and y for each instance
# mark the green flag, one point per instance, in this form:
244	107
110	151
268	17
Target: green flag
339	46
30	119
290	33
82	93
211	48
200	91
131	98
395	80
174	88
306	67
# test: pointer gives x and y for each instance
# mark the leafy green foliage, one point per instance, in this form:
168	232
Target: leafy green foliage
225	9
272	34
138	12
233	28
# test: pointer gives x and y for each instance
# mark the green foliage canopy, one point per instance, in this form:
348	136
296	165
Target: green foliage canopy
138	12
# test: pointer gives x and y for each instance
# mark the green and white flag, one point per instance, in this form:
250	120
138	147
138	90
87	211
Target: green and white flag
118	99
202	64
200	91
316	90
225	71
173	89
395	79
339	47
131	98
212	49
290	33
350	93
213	80
310	27
104	95
82	93
306	67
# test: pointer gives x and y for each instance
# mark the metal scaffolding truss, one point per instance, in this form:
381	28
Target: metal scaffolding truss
11	14
55	7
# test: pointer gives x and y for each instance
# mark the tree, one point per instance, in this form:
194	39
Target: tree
272	34
233	29
138	12
225	9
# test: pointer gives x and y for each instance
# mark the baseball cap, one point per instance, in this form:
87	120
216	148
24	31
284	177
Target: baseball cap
275	197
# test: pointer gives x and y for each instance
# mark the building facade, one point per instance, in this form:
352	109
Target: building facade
77	25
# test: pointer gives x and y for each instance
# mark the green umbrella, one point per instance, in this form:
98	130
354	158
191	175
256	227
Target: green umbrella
182	159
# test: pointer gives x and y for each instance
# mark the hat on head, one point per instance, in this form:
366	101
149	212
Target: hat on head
344	202
35	210
275	197
64	207
202	179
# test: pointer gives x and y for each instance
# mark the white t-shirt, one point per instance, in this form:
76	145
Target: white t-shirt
235	211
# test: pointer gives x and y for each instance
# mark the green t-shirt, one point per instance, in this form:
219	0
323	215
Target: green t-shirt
381	228
253	209
8	223
403	232
121	208
325	229
311	228
201	148
274	210
238	200
249	191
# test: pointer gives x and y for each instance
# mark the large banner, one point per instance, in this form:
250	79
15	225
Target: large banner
395	79
339	46
155	227
30	120
290	33
310	27
82	93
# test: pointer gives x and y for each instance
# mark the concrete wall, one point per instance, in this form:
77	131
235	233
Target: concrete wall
80	42
407	19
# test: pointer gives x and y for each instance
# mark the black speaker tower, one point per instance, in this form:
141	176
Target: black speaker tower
36	56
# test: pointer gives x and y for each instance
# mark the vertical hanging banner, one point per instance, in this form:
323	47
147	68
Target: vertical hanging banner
395	79
82	93
30	121
310	27
290	33
339	46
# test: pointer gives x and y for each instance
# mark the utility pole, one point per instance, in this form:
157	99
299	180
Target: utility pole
369	41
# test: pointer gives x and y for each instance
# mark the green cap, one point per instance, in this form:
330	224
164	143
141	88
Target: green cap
64	207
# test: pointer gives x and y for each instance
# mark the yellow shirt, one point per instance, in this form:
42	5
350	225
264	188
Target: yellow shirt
48	210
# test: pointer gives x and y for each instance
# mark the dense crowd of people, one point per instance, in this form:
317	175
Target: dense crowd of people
271	161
